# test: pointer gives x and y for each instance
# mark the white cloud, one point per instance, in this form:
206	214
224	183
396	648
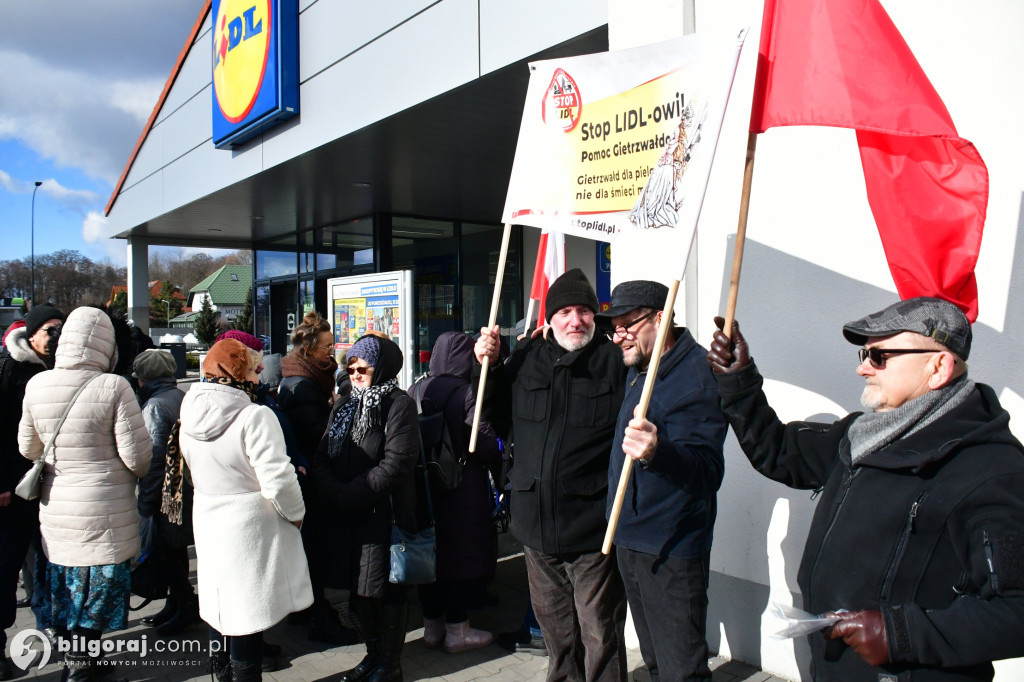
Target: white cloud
96	233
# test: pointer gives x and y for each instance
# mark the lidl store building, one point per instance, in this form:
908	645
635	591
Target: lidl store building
396	156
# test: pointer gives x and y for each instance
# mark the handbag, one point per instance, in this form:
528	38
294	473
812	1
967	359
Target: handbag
414	555
31	484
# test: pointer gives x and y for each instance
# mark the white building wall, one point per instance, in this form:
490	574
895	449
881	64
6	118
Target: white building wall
813	261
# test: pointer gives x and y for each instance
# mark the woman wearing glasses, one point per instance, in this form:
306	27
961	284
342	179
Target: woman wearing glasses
364	480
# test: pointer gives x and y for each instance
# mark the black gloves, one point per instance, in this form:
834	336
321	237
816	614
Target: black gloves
864	632
728	355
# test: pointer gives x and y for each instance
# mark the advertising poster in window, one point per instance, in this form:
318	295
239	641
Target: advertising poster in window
379	302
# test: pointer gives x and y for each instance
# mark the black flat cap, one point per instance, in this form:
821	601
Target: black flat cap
636	293
932	317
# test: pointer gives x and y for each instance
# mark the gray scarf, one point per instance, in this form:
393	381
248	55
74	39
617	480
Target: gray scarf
875	430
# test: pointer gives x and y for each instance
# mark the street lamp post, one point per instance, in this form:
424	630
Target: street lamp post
163	300
33	291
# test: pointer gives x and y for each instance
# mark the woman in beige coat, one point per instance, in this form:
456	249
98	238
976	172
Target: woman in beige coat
87	513
246	510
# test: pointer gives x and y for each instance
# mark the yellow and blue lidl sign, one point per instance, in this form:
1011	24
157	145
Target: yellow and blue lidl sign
255	67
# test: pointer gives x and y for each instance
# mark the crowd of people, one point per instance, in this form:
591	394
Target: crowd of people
289	486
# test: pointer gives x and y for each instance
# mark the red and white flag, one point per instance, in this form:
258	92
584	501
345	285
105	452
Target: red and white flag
550	266
843	63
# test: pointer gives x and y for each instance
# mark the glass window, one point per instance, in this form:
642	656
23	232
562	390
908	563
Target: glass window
275	264
307	296
345	244
481	246
429	249
261	315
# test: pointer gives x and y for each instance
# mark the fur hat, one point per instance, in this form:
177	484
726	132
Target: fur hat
154	364
572	288
227	358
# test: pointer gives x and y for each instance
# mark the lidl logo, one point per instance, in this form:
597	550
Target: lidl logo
255	67
241	49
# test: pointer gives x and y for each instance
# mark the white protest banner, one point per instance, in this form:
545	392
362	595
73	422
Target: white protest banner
620	141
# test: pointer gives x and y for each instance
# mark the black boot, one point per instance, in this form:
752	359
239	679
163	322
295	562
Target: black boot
246	671
393	618
366	612
186	615
220	667
77	668
164	615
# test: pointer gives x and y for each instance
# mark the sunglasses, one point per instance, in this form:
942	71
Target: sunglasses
362	370
877	356
625	331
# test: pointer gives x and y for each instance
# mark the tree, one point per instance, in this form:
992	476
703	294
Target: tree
120	302
158	309
206	323
243	320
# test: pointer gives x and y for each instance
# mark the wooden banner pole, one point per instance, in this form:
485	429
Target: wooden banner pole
529	317
741	234
645	399
491	321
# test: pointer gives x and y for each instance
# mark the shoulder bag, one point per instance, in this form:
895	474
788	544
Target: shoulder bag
414	555
31	484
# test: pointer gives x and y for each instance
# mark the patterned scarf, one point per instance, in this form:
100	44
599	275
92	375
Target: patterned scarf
359	415
176	473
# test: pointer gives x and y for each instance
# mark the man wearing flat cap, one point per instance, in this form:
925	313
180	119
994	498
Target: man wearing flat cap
917	541
663	537
559	394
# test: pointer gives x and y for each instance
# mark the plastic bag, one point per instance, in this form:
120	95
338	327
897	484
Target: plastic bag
798	623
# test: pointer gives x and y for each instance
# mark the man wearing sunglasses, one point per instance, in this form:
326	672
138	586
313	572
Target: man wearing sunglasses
663	538
918	533
558	396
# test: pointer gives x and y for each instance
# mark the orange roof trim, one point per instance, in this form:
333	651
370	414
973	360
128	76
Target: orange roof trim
160	102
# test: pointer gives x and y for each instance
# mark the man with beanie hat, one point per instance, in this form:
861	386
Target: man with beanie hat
23	356
916	546
558	394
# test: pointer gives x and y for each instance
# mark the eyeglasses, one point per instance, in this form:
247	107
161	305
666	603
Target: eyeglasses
877	356
624	331
362	370
326	346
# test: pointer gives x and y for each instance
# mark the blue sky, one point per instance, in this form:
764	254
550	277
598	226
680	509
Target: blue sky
79	81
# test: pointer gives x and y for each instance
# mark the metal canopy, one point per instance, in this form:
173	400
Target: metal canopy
449	157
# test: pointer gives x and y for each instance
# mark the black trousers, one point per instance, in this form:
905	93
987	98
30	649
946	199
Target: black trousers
668	598
18	522
580	604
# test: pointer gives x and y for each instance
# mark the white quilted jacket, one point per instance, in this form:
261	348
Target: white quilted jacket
88	506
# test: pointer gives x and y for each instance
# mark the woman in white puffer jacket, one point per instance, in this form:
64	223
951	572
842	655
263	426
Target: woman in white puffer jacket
87	513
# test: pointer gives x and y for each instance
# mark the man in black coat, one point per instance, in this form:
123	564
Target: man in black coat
560	394
919	530
24	355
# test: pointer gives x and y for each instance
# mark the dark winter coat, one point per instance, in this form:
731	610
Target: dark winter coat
354	492
466	538
670	503
161	406
291	444
307	409
18	364
561	407
930	530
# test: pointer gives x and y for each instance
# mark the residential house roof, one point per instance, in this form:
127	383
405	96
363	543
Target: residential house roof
227	286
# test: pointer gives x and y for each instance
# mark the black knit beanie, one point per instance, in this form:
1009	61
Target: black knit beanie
572	288
38	316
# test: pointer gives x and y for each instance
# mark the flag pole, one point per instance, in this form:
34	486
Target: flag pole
491	321
645	398
741	234
529	317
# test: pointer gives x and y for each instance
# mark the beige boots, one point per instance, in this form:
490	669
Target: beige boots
455	637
